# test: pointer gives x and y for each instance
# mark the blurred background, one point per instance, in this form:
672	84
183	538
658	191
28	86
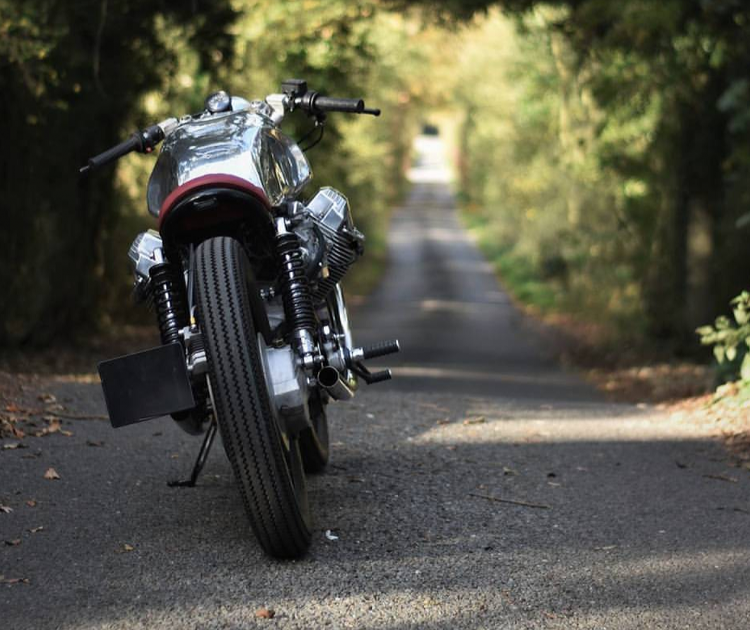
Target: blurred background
601	150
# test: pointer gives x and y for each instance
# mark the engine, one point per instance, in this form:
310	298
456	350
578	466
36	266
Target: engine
331	241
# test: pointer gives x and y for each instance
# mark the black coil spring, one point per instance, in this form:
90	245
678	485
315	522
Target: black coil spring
170	303
298	305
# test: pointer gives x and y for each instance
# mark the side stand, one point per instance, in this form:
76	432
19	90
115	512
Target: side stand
199	463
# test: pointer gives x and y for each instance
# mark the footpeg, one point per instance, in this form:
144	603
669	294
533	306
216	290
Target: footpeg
372	352
376	350
379	377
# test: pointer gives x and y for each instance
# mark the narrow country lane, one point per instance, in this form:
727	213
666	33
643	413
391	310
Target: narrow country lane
482	488
440	298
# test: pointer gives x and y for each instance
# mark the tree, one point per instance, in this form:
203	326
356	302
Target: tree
688	64
71	75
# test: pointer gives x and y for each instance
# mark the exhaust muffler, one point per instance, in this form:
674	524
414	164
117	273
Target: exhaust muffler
330	379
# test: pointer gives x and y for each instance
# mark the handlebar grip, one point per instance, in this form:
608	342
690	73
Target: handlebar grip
133	143
335	104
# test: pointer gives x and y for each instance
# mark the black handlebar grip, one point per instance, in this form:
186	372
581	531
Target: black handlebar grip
335	104
133	143
380	349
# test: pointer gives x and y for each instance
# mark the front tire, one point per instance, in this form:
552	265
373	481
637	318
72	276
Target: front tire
266	460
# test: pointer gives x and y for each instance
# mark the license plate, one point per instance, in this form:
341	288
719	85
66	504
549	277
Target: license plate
146	385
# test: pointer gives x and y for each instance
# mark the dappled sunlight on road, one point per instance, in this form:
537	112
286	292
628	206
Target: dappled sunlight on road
467	373
549	427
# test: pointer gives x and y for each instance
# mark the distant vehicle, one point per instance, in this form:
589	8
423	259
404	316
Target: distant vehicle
430	130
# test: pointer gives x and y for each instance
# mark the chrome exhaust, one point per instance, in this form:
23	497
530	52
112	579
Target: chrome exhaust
330	380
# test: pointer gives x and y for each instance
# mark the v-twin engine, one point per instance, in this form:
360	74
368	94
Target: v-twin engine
331	242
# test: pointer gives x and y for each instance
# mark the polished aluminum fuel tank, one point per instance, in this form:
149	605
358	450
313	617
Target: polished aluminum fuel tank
245	144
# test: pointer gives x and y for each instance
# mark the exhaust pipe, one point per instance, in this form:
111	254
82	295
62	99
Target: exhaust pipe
330	380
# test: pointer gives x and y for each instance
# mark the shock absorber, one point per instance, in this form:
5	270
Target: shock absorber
296	295
170	304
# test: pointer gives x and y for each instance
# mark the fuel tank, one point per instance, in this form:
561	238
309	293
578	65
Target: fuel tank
244	144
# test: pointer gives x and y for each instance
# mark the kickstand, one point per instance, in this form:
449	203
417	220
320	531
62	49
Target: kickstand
202	456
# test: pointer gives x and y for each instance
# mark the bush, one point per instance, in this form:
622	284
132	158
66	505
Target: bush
731	340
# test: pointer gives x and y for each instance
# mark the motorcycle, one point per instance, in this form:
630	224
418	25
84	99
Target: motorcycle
245	280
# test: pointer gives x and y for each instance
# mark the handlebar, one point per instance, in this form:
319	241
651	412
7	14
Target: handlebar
143	141
296	95
317	104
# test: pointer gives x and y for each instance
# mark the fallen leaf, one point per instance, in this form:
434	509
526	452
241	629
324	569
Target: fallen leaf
47	398
126	548
509	472
53	426
478	420
13	543
14	445
51	474
31	503
66	433
94	443
5	509
330	535
265	613
35	530
443	421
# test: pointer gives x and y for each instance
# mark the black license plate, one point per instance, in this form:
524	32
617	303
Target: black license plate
146	385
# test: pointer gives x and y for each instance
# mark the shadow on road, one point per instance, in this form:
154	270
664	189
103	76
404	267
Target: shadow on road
640	525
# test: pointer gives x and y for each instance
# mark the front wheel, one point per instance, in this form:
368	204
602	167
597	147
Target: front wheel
266	459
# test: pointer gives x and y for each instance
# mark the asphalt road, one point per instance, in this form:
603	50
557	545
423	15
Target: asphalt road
625	518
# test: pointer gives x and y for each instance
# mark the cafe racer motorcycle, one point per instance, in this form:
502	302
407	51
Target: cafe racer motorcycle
244	277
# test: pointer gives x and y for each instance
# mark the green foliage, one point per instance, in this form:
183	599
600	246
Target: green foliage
731	340
79	76
531	170
72	75
608	145
340	48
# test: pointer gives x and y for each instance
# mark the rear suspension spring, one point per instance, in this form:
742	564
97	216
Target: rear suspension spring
296	295
170	302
